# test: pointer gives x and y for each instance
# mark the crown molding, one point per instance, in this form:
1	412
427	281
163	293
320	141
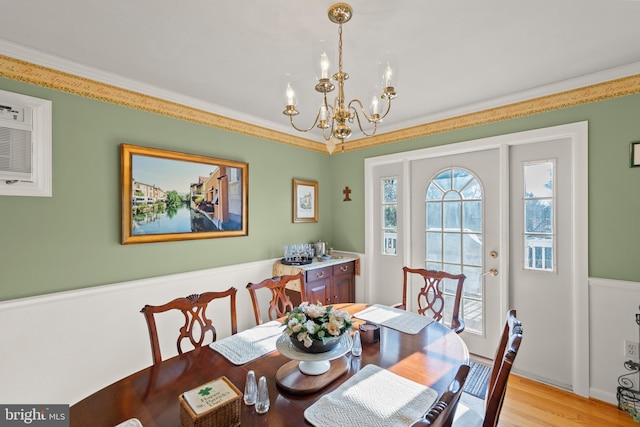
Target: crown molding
24	71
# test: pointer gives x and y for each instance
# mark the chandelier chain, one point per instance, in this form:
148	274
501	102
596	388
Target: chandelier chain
340	48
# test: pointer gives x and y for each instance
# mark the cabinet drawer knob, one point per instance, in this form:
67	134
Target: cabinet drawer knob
321	274
344	268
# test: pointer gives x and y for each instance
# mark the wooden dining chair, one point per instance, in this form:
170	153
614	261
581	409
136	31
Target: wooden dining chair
280	302
430	298
441	413
196	324
497	386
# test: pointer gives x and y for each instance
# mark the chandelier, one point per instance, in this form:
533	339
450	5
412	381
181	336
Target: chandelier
334	119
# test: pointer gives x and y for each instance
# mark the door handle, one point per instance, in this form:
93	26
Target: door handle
492	272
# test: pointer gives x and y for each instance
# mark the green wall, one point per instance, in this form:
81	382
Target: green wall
72	240
614	187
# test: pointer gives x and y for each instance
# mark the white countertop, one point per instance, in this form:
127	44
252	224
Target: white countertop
337	258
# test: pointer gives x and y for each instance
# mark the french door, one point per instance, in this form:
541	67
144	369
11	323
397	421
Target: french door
455	228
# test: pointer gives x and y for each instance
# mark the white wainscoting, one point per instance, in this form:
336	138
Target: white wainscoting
62	347
613	305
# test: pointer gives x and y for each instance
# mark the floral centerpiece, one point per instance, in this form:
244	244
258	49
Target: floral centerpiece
315	328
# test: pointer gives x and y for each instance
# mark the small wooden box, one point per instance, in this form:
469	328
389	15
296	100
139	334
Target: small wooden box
214	404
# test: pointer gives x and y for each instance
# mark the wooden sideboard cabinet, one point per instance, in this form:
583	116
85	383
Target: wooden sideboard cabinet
332	284
328	282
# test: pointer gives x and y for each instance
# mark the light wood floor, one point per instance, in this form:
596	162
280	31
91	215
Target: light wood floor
530	403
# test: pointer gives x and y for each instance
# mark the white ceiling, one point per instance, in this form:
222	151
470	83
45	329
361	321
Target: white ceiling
227	57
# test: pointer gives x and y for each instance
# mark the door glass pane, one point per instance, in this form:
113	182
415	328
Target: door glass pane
461	178
473	190
434	247
539	215
452	195
453	238
390	216
538	252
472	314
444	180
452	216
389	190
538	179
434	216
434	192
473	282
389	212
472	218
472	249
434	266
452	248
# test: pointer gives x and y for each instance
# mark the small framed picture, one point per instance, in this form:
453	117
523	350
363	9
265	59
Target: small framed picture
634	154
305	201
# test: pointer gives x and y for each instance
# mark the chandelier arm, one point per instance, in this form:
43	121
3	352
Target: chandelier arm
305	130
366	116
357	116
324	133
386	111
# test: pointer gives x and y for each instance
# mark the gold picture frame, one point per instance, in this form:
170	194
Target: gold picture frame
168	196
305	201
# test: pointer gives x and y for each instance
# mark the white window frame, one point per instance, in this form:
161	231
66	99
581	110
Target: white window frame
41	184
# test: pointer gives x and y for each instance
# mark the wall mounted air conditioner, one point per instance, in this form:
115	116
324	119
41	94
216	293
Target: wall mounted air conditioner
25	145
16	130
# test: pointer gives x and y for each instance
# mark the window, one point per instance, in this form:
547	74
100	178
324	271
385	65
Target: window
453	238
234	174
539	215
389	217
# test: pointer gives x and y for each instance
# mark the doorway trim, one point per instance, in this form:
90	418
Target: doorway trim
577	133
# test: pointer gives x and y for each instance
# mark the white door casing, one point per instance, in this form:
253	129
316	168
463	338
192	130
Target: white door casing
576	135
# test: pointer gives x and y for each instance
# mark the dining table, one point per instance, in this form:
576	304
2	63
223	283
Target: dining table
431	357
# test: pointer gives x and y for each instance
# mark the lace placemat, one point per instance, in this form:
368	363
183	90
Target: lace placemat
133	422
394	318
249	344
372	397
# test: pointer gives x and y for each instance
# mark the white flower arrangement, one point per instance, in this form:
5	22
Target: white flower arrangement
309	322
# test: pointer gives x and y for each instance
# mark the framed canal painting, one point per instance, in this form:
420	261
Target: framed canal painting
169	196
305	201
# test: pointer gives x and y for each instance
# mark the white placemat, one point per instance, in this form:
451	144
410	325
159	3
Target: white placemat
394	318
133	422
249	344
374	397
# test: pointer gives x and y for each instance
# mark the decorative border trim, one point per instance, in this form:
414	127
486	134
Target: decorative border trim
38	75
23	71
